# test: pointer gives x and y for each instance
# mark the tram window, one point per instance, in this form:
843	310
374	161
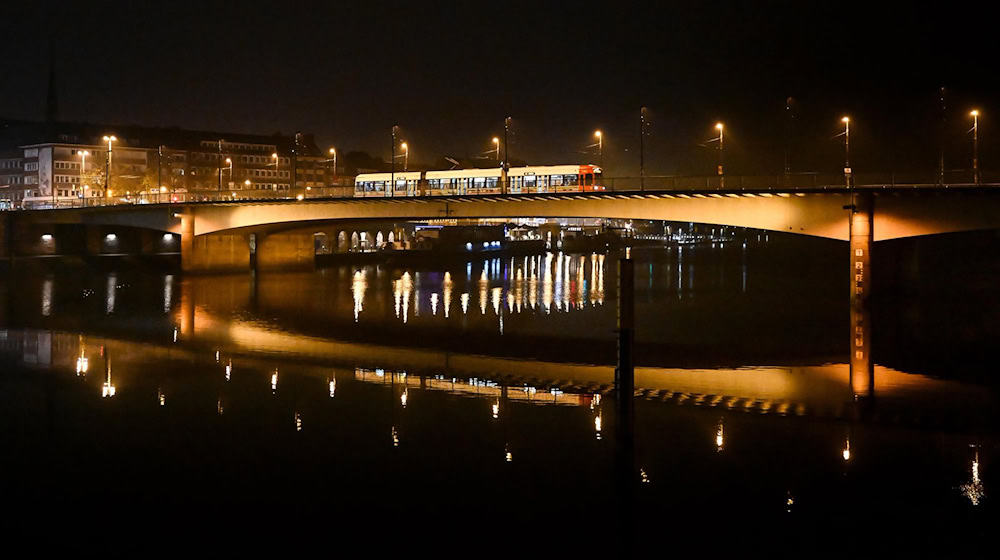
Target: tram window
491	182
570	179
529	180
543	180
557	180
479	182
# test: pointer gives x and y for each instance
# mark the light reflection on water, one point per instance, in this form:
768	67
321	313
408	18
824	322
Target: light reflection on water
561	282
795	428
711	417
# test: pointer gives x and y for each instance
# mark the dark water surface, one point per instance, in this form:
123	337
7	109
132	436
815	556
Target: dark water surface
463	406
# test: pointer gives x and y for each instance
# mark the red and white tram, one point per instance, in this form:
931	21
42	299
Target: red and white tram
534	179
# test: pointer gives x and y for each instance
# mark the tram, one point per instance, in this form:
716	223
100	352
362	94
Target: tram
533	179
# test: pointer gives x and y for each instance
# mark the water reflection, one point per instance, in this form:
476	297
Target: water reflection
47	297
575	419
439	398
108	388
168	292
561	282
973	489
358	288
111	292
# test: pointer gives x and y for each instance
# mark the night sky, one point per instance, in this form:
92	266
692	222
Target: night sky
449	73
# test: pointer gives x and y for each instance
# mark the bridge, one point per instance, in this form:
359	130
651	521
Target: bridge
218	235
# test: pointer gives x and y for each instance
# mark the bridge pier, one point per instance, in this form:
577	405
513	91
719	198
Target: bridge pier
861	238
215	252
286	251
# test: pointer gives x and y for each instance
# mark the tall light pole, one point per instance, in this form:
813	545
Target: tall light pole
847	150
83	169
159	171
942	130
975	145
392	173
220	167
600	148
406	155
496	145
719	168
721	128
642	147
274	156
333	156
107	169
505	171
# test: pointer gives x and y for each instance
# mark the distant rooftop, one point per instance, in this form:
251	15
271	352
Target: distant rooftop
14	133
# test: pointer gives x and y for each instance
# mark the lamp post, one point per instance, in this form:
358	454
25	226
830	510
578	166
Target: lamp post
642	147
107	170
229	162
392	173
722	177
847	150
504	172
159	169
975	145
496	146
600	147
274	156
333	156
83	169
406	155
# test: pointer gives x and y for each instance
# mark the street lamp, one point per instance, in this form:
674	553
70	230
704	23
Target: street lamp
719	126
505	170
406	155
229	163
975	145
496	146
600	147
107	170
847	150
83	168
392	173
333	156
274	156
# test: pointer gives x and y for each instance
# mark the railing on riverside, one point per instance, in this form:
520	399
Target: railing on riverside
652	183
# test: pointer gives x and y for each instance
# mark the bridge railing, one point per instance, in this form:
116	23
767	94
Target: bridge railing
650	183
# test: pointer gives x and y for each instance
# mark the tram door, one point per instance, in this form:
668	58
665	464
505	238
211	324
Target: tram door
527	183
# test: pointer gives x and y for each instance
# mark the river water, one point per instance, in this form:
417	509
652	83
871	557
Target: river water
465	404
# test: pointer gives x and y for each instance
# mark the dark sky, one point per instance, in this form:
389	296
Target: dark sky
449	73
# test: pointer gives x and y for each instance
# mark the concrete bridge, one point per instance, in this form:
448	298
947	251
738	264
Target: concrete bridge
216	236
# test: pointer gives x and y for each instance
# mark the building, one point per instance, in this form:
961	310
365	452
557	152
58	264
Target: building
63	164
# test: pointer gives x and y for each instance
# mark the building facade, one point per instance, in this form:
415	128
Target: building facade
62	164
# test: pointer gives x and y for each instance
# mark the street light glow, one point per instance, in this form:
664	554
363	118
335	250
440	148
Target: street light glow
597	134
718	126
845	120
974	113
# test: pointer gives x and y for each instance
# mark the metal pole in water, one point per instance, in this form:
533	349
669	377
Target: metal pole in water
624	404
